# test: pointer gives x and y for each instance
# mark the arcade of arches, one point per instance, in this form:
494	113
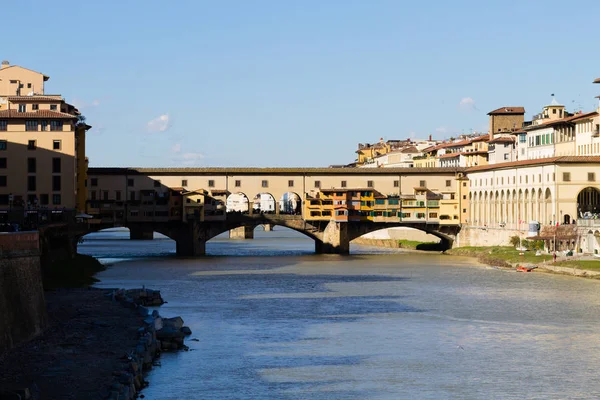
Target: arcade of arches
511	207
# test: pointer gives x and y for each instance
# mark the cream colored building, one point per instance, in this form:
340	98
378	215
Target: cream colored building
42	145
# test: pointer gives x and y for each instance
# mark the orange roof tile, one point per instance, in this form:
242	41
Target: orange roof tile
549	160
35	114
33	99
507	110
449	155
502	139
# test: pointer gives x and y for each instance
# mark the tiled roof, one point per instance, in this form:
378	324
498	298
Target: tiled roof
47	114
472	153
539	161
502	139
507	111
481	138
584	115
449	155
268	171
34	99
410	149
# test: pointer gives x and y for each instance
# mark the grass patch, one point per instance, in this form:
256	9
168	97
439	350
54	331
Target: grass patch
416	245
500	255
590	265
72	272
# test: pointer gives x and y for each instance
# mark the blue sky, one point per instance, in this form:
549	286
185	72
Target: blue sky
283	83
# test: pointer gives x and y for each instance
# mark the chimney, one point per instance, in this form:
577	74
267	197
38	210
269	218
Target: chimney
5	64
430	138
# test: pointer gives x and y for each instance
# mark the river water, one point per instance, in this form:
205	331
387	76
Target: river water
274	321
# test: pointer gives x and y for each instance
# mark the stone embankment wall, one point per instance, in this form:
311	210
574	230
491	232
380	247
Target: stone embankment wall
22	305
476	236
400	234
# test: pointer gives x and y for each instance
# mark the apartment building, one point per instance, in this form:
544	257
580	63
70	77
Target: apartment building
42	145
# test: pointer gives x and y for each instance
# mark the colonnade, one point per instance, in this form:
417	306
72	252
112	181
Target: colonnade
511	208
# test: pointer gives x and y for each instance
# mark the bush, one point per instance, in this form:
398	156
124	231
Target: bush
514	241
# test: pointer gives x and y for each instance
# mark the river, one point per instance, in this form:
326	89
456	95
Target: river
274	321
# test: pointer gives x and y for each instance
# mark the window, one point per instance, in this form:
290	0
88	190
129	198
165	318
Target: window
553	176
56	125
31	145
238	183
3	162
464	184
44	125
22	107
211	183
264	183
184	182
343	183
554	111
93	195
35	106
56	165
31	165
44	199
464	210
370	184
432	215
506	157
31	183
591	177
56	183
396	183
94	182
464	197
118	195
2	180
29	86
105	195
56	199
56	145
522	138
13	81
317	184
129	182
452	196
157	183
448	183
3	124
526	178
290	183
566	176
422	184
53	107
132	196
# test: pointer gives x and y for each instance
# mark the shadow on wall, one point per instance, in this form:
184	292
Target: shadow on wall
37	185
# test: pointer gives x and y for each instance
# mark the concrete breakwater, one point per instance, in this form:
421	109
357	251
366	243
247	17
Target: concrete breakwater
157	334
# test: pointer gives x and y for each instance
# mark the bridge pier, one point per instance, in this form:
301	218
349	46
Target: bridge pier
335	239
268	227
139	233
241	233
189	242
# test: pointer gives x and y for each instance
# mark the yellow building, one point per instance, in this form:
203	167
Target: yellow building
42	145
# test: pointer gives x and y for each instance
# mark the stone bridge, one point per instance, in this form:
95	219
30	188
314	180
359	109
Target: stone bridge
330	237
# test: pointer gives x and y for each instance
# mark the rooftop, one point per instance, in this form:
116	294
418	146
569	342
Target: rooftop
539	161
46	114
508	111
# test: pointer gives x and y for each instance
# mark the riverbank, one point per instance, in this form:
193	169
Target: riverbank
508	257
87	337
499	256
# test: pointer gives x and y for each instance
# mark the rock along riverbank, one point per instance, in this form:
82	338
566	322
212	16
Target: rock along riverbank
99	344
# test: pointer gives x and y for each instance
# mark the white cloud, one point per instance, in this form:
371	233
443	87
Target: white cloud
176	148
190	158
82	104
467	104
162	123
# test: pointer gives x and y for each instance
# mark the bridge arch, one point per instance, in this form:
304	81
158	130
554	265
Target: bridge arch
263	202
445	234
290	203
237	202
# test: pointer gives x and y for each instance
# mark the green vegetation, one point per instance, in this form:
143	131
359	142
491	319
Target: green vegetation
416	245
72	272
515	241
500	256
590	265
